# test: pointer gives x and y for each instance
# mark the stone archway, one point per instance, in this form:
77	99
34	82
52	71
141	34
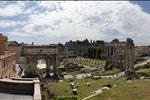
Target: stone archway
48	53
50	61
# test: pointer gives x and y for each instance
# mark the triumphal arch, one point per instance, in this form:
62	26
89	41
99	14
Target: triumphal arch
32	53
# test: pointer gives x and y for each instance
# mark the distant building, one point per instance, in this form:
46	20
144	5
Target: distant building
120	54
142	51
116	53
14	46
61	51
77	48
7	59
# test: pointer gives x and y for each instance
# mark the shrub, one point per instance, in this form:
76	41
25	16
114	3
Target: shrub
31	71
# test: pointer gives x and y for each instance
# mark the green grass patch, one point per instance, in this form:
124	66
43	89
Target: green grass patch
136	90
114	70
145	71
60	89
67	98
64	89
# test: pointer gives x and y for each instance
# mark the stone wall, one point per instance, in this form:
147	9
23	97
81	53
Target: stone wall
17	87
7	59
17	50
77	48
27	86
120	54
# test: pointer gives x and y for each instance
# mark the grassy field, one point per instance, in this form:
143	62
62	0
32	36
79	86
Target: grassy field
64	89
114	70
135	90
146	71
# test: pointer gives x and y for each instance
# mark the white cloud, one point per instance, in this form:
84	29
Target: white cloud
9	9
10	24
85	19
6	23
17	33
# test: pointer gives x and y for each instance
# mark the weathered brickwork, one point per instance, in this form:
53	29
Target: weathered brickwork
7	59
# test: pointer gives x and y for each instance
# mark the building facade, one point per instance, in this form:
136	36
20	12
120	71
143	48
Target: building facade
7	59
120	54
117	53
16	47
77	48
142	51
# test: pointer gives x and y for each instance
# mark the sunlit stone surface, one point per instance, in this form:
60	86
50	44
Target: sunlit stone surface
6	96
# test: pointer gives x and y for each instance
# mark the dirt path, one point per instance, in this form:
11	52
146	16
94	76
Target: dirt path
142	63
95	93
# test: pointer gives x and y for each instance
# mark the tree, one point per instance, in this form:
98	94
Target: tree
31	71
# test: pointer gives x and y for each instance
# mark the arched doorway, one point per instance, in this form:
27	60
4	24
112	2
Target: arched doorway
41	65
45	63
33	53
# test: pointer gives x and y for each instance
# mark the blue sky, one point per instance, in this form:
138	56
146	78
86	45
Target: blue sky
47	22
144	4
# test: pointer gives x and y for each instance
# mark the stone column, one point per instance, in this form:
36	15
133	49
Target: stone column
130	55
48	67
28	60
55	70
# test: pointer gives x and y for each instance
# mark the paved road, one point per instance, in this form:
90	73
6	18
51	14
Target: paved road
6	96
141	64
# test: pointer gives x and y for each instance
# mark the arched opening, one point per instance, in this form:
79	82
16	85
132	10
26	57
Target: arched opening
41	65
51	70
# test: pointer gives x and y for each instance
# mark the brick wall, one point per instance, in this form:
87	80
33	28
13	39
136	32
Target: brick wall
2	44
